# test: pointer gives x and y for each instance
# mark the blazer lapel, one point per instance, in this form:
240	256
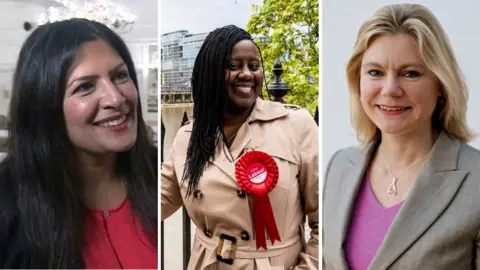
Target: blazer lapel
348	193
433	190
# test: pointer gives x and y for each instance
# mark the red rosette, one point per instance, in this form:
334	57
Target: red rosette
257	174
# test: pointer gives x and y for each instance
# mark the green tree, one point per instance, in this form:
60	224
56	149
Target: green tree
288	30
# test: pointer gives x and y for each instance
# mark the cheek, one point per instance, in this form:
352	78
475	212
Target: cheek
229	78
259	77
130	92
424	95
77	112
368	91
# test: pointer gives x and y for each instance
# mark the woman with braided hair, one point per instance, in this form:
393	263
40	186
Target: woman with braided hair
246	169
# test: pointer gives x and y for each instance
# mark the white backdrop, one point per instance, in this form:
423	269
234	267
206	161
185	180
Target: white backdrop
341	22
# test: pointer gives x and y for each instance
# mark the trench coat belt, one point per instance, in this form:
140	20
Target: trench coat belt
247	249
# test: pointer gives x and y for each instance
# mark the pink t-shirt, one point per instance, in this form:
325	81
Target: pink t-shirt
368	226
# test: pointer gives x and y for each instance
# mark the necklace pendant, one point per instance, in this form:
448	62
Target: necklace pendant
392	189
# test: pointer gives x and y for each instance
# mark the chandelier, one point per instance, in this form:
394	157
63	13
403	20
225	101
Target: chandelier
103	11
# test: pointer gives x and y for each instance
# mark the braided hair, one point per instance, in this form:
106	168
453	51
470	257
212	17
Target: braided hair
210	99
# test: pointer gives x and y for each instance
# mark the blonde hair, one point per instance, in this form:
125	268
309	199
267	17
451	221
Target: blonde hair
435	50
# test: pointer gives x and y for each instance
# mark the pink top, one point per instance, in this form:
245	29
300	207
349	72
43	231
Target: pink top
368	226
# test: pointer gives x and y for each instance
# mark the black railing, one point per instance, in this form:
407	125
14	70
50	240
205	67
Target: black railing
278	90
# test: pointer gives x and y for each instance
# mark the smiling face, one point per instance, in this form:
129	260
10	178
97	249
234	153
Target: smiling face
244	78
397	91
100	101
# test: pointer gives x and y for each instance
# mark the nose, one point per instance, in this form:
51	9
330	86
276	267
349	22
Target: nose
246	74
392	87
112	97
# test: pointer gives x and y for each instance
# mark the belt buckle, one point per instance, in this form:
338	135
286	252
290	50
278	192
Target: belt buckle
233	248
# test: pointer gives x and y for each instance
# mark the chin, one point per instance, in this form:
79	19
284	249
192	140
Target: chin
241	104
392	129
120	145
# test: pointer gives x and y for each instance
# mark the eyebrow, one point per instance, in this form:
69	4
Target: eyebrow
91	77
412	64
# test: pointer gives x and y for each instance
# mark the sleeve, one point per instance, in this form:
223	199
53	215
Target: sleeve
171	199
308	179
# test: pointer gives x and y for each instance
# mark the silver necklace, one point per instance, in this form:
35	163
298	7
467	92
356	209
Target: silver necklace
392	189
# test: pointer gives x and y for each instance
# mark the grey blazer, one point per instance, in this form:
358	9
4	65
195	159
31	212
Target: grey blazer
438	224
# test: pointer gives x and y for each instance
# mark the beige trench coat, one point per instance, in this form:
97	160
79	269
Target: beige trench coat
219	207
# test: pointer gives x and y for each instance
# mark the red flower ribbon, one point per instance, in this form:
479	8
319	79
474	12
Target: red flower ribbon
257	174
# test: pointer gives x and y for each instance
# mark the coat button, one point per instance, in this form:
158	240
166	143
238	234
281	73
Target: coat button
207	233
197	194
241	193
244	236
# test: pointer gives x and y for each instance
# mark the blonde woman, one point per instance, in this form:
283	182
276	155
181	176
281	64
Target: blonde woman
409	198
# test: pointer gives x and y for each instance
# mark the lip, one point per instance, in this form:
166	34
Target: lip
395	110
118	128
243	89
244	85
110	118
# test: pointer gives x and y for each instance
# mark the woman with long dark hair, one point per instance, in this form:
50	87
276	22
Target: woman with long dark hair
78	187
242	165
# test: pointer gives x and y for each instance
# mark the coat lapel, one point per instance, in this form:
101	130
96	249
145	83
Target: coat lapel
433	190
222	158
262	111
348	193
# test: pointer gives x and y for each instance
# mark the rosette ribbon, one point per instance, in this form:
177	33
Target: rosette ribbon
257	174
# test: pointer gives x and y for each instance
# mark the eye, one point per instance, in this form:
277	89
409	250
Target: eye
122	76
84	87
234	66
374	73
412	74
254	66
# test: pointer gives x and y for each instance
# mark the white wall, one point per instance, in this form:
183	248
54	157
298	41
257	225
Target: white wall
341	22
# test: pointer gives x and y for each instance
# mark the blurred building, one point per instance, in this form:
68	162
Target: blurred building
178	52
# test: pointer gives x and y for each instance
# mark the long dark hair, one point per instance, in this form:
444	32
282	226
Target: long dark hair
210	98
50	212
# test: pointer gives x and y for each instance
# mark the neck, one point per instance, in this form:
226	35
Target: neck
100	183
235	119
400	151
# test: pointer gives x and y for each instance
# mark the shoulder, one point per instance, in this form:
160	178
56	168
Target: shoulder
345	156
341	163
469	158
298	113
182	137
292	114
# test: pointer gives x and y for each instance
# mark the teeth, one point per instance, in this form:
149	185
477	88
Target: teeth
243	88
391	109
114	122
